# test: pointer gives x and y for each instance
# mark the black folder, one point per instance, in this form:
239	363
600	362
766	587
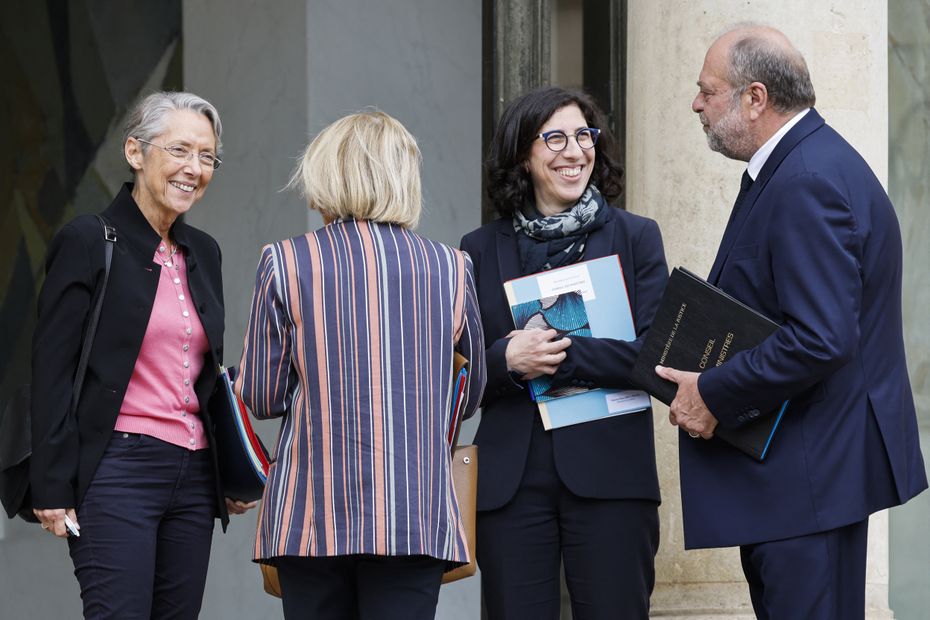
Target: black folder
696	327
242	458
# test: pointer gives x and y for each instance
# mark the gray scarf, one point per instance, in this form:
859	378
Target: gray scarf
558	240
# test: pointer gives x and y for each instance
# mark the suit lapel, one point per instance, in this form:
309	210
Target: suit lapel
734	226
807	125
508	256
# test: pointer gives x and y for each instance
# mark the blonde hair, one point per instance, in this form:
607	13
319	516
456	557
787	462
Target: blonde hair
365	166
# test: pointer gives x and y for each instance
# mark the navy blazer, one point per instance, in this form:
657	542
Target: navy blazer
66	450
816	247
608	459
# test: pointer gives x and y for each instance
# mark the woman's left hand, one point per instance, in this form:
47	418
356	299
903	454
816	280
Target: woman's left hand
235	507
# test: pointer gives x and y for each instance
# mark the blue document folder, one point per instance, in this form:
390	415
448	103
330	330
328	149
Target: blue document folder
242	458
601	286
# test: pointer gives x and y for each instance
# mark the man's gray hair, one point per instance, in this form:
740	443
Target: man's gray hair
147	119
755	58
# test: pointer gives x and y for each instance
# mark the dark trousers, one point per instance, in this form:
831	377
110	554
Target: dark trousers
607	547
360	587
146	528
817	577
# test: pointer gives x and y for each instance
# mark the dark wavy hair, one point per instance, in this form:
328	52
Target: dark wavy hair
509	183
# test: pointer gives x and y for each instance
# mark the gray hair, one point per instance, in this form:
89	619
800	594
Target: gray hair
147	118
755	57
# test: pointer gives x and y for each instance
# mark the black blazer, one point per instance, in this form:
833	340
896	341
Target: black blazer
66	450
612	458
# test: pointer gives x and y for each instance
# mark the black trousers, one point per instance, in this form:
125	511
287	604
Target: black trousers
820	576
146	529
608	549
360	587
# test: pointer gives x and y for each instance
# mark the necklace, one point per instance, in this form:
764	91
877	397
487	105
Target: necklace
167	261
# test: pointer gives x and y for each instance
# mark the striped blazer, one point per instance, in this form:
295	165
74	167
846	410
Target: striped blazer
350	338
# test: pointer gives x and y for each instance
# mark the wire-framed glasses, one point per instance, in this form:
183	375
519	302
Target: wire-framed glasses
179	151
557	140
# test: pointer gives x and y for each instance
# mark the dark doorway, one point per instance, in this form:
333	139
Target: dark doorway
570	43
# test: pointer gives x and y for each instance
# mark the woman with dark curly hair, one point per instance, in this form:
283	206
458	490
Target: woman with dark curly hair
585	496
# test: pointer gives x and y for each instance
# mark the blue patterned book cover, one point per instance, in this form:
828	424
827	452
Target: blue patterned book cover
566	314
598	286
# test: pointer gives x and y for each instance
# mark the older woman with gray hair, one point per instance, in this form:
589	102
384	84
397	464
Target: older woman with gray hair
129	476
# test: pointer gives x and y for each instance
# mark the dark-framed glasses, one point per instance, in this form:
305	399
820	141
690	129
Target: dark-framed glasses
208	160
557	140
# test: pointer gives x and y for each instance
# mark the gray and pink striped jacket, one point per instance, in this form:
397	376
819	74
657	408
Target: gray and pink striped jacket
350	338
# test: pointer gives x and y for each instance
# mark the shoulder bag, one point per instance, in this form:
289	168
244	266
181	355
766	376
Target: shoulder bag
16	421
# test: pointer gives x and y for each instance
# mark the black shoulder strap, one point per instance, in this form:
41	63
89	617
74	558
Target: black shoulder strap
109	234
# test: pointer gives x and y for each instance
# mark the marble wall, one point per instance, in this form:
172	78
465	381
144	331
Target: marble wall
69	73
909	188
67	83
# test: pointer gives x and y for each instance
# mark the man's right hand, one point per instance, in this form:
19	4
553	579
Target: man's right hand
534	352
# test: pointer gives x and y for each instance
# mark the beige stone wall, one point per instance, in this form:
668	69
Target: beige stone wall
674	178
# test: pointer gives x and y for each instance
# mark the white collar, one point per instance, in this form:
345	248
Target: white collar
762	155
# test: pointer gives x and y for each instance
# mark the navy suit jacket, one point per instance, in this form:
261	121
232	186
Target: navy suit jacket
612	458
816	247
67	449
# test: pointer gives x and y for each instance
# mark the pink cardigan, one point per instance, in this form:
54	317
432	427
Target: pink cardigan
160	399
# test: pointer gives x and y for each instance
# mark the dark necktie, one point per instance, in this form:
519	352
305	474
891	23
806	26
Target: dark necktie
744	185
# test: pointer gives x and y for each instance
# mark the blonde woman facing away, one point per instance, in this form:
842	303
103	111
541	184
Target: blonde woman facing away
350	339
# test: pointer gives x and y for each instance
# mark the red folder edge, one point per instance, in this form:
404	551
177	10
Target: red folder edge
246	433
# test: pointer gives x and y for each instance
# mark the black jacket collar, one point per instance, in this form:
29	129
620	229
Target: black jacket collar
124	214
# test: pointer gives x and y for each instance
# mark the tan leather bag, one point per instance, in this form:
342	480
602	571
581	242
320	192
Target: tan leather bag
465	481
270	579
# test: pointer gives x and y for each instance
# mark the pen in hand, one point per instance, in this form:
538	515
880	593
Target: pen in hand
71	527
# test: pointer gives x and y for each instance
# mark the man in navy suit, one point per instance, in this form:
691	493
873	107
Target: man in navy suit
814	244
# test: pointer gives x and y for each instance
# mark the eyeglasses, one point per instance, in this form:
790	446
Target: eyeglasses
208	160
557	139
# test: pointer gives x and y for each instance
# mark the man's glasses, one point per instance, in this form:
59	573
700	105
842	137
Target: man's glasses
557	139
208	160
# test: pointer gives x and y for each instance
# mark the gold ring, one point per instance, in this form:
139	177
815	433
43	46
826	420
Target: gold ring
693	435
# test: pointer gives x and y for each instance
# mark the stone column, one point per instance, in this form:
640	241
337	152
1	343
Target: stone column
674	178
520	40
516	59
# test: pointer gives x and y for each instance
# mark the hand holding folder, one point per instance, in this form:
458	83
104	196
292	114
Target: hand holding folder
698	326
242	458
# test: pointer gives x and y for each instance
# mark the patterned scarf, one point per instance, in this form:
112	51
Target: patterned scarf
558	240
